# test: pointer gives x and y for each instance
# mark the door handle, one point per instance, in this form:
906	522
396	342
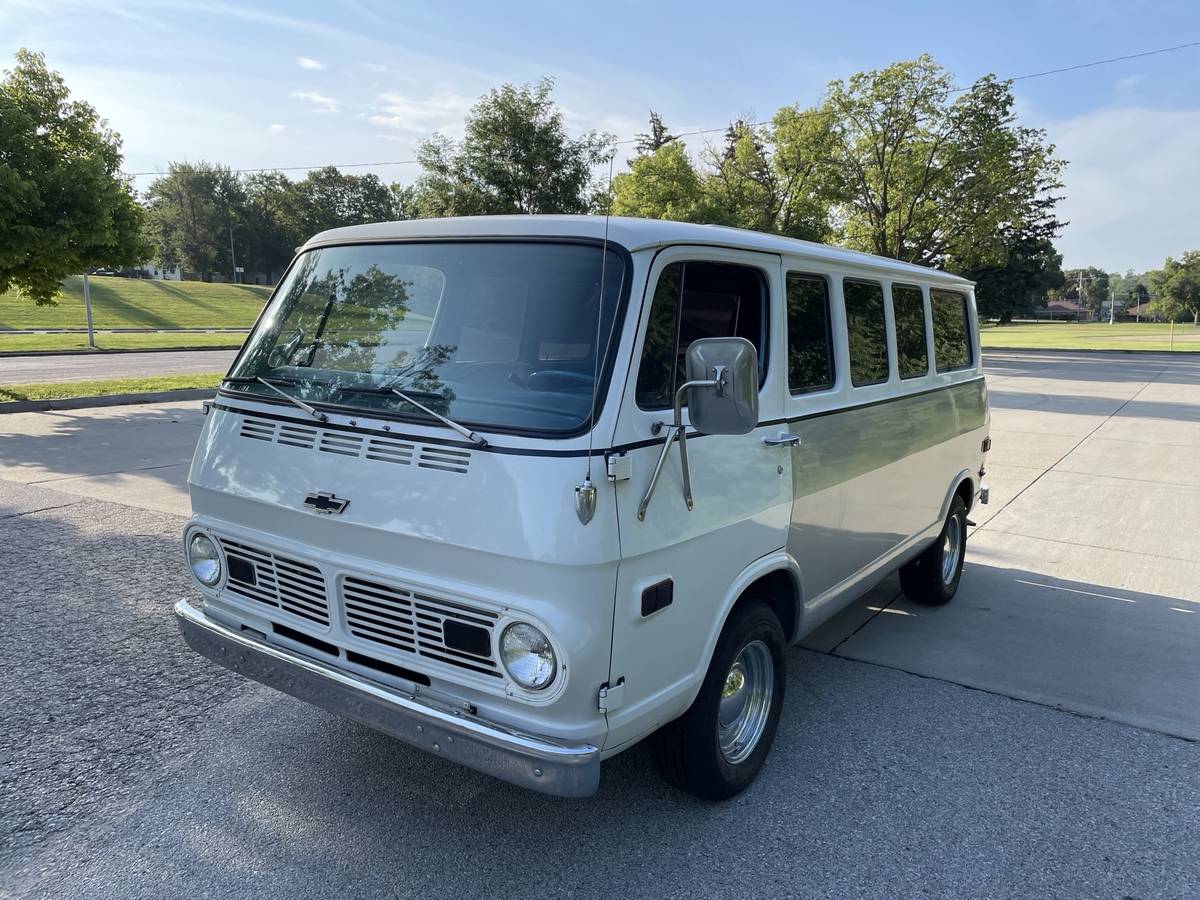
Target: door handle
783	439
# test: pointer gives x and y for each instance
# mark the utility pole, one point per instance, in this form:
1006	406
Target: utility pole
87	308
232	255
1112	306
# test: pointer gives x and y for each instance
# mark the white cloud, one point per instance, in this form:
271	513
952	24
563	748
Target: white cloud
1132	186
377	68
320	102
276	128
305	62
411	115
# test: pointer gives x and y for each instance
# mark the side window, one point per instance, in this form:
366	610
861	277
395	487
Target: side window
866	327
810	335
951	330
694	300
912	354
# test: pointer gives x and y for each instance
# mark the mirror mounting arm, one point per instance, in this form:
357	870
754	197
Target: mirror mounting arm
718	383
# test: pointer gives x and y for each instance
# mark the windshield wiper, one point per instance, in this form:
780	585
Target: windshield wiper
295	401
409	396
450	423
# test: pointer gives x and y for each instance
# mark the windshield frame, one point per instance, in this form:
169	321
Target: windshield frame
415	417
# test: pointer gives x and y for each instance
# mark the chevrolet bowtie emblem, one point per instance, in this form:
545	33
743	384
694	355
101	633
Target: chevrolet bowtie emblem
325	502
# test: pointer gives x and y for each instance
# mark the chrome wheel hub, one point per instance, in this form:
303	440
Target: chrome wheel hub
745	702
951	549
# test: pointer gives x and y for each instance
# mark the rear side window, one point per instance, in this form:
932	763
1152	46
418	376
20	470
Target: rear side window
912	354
866	328
951	330
810	336
696	300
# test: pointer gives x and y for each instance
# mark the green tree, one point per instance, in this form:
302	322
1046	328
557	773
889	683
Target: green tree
190	213
656	138
516	157
64	205
927	177
663	184
1089	286
1178	288
1031	268
328	198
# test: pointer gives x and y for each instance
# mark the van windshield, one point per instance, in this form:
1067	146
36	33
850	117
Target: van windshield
498	335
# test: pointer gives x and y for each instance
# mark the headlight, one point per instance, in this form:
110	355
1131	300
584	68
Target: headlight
203	557
528	656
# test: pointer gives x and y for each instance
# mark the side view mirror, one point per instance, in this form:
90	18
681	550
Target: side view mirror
722	395
722	374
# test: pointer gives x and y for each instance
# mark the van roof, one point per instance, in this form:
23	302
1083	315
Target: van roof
632	234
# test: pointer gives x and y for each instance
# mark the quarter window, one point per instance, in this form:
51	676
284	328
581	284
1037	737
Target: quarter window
810	337
696	300
912	353
951	330
866	327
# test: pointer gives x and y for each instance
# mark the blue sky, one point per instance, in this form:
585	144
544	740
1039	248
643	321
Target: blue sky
303	83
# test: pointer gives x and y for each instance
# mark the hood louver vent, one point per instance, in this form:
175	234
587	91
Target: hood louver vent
341	443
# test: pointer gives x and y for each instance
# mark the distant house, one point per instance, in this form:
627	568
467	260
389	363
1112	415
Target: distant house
1140	312
1066	309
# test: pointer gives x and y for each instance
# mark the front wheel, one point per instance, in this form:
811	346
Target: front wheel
932	578
717	747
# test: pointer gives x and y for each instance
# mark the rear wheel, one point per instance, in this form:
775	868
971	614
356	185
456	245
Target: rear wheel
932	578
717	747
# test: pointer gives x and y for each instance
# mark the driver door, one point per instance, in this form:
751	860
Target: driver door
679	566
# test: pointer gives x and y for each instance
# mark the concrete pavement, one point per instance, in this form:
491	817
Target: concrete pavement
131	768
94	366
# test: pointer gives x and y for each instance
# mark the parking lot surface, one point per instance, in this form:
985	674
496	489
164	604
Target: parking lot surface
1035	737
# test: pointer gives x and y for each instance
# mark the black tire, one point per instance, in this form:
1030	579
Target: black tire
924	579
689	750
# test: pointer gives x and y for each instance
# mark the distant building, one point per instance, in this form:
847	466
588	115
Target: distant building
1066	309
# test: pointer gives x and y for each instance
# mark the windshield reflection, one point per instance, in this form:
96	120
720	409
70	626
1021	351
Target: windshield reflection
495	334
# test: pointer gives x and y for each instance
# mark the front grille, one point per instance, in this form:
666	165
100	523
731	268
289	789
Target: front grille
412	622
288	584
386	615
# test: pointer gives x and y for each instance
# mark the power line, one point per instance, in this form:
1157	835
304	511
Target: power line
700	131
1103	62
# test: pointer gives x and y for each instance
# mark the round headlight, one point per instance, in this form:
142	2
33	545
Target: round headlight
204	559
528	656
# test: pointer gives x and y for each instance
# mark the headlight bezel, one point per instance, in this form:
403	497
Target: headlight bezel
539	636
217	557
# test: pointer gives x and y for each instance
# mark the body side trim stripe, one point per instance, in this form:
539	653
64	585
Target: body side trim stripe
529	451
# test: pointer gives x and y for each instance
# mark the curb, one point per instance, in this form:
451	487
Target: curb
20	406
1088	350
6	353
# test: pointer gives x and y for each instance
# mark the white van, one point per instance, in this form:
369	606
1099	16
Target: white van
523	491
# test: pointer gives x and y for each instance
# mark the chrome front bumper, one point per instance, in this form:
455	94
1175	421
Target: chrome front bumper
527	761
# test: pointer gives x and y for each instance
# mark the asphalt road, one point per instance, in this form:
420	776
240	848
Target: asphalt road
1026	740
89	366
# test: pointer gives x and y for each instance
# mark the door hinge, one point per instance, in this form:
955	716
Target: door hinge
612	696
619	466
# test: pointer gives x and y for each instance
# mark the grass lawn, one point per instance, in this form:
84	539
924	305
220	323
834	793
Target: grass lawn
122	341
1091	336
103	388
138	303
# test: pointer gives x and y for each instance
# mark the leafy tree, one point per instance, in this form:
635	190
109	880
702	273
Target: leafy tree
190	211
1178	284
1031	268
327	198
922	177
64	206
661	185
1089	286
516	157
655	139
269	232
